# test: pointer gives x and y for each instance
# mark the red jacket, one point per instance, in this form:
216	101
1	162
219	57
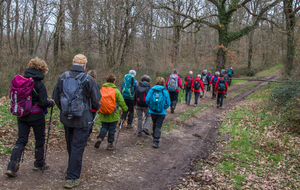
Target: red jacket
201	86
179	83
217	84
187	79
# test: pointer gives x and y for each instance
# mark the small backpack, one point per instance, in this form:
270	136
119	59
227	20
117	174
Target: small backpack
189	81
208	78
128	89
197	84
71	99
173	83
221	85
157	101
21	95
204	79
141	96
230	73
215	80
108	100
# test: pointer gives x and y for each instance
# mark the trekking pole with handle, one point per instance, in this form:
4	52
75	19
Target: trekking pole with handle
182	91
119	133
48	137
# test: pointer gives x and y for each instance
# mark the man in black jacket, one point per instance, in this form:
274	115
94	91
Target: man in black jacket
77	128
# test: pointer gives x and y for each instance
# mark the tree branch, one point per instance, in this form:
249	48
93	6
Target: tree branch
234	8
214	2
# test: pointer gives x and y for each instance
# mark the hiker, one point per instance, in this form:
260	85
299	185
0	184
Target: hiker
205	80
76	121
213	81
223	71
93	74
173	83
209	76
198	85
189	81
227	80
109	111
35	118
158	101
141	106
230	75
128	87
221	88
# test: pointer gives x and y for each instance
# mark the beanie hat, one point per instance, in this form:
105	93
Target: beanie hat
132	72
79	60
146	78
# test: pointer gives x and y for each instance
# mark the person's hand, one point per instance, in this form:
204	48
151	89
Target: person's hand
53	102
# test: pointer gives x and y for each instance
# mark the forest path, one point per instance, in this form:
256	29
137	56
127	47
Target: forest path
135	164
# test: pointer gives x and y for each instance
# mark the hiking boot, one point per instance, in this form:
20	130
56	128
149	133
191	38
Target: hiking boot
45	167
110	146
188	104
146	131
129	126
155	144
139	134
97	144
11	173
218	106
172	109
71	183
195	105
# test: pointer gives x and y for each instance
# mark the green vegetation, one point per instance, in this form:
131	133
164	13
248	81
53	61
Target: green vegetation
246	87
269	71
235	82
185	115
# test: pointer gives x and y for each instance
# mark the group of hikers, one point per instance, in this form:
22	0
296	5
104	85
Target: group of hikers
80	101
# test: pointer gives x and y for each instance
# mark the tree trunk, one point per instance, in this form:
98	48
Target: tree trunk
16	28
250	50
1	27
62	26
290	27
31	28
8	25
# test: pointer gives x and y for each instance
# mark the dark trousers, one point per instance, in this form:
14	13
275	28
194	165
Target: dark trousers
208	87
197	94
130	105
111	128
213	91
230	78
173	98
38	127
220	99
157	124
76	141
188	95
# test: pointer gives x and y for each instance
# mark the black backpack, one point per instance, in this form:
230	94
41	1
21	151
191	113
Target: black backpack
141	96
221	85
197	84
189	81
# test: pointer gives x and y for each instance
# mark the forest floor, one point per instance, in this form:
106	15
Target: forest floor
135	164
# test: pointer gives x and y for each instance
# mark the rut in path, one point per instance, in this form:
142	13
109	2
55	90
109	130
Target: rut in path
135	164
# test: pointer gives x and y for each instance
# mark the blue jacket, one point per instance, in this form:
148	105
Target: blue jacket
135	86
166	95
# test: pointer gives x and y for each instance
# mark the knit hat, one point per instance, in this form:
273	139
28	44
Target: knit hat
146	78
79	60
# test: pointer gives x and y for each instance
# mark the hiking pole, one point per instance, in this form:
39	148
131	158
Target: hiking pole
93	121
181	98
48	137
118	133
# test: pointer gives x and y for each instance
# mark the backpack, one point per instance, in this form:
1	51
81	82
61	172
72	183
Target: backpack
197	84
21	95
173	83
215	80
204	79
230	73
221	85
223	71
128	88
208	78
108	100
157	101
189	81
141	96
71	99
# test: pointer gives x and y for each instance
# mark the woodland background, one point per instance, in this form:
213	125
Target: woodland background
151	36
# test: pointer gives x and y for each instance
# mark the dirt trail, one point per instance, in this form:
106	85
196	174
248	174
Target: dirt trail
135	164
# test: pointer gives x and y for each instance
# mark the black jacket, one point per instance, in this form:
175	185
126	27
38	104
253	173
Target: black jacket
39	97
141	85
91	96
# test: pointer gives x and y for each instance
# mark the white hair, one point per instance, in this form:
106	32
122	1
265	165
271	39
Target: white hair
190	72
217	72
205	71
132	72
198	76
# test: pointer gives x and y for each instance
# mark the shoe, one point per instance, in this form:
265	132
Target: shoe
218	106
225	96
71	183
195	105
188	104
129	126
146	131
139	134
110	146
172	109
45	167
97	144
11	173
155	144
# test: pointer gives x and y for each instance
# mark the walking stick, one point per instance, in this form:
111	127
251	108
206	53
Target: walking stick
182	92
119	133
48	136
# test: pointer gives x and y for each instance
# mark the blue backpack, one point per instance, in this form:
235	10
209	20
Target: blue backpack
128	88
173	83
230	73
221	85
215	80
157	101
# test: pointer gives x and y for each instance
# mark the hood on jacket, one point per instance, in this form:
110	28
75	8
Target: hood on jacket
197	79
158	87
203	73
144	84
108	84
35	74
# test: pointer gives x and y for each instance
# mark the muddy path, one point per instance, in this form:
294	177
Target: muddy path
135	164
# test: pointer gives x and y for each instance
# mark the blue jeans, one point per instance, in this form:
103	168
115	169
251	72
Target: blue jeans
111	128
197	94
188	96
